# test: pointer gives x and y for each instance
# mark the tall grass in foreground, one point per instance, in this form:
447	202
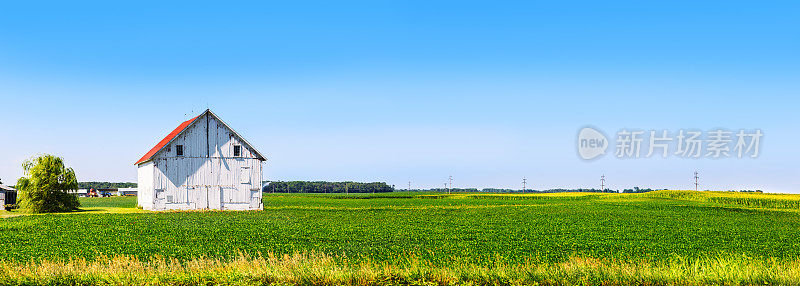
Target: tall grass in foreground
320	269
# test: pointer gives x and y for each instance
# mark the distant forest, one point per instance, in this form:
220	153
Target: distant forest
104	185
379	187
327	187
638	190
376	187
355	187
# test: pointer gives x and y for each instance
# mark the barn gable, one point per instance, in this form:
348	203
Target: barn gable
182	131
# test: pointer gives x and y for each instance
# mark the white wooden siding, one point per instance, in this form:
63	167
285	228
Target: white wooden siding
207	176
145	185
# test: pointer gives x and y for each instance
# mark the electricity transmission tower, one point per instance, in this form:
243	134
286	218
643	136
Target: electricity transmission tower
450	179
409	186
603	183
524	184
696	181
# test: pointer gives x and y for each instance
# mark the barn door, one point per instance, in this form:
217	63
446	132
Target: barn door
229	195
214	197
255	199
199	197
159	203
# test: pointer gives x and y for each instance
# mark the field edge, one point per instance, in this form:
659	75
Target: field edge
321	269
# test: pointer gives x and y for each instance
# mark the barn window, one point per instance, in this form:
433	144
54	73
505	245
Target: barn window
244	177
237	150
179	150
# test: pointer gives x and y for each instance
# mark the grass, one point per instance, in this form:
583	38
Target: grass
109	202
320	269
660	238
94	205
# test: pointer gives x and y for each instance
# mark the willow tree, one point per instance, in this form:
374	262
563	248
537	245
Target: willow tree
44	187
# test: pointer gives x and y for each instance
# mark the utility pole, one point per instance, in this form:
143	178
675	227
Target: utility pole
524	184
603	183
696	181
451	184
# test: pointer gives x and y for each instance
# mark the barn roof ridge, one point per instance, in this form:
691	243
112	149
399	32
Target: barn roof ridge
179	130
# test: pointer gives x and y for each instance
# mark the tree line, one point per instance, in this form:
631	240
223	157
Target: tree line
326	187
105	185
637	190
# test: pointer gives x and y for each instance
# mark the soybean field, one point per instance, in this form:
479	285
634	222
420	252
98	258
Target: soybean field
440	229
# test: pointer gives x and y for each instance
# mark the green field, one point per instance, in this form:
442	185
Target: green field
438	228
467	229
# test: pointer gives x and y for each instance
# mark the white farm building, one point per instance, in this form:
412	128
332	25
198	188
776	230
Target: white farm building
202	164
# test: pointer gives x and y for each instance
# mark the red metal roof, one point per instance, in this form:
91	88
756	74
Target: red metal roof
166	140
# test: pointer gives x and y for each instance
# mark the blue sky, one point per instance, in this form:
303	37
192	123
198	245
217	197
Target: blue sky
489	92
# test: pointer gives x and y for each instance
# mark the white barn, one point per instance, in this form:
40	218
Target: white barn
202	164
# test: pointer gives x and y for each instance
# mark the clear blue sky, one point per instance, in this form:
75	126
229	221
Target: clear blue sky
399	91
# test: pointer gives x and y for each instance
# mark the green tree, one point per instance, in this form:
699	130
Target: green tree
44	187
